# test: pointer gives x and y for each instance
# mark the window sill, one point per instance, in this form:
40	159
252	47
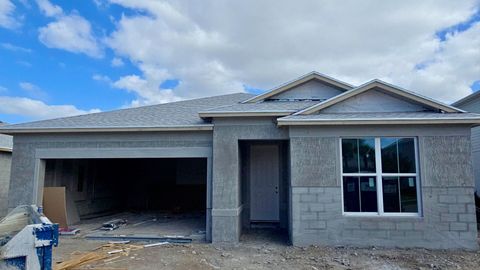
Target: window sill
384	216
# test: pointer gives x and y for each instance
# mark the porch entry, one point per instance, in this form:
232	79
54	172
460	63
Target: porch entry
264	183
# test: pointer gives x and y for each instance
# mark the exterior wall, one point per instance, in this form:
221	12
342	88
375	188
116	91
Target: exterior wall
476	157
373	101
474	106
27	169
446	177
312	89
227	202
5	165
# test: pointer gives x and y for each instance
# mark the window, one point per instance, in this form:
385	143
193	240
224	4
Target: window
380	176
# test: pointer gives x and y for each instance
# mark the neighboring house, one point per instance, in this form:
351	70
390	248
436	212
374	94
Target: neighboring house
5	162
331	163
471	103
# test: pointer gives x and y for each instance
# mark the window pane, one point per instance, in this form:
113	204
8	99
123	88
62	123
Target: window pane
408	191
389	155
368	194
351	197
406	155
350	155
367	155
391	196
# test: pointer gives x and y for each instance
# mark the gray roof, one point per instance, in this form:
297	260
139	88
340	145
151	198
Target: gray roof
174	114
267	106
385	117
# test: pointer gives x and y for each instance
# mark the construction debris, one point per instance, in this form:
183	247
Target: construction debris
113	224
104	254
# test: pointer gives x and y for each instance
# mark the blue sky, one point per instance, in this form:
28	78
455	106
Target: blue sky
194	54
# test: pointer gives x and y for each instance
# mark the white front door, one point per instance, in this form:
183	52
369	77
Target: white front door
264	183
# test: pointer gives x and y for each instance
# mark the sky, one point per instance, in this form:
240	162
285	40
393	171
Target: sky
63	58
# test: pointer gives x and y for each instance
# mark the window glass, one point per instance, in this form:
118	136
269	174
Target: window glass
398	185
367	155
368	194
391	194
406	155
350	155
408	191
351	194
389	155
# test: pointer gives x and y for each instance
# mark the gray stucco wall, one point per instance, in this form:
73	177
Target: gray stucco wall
446	176
227	203
23	173
5	165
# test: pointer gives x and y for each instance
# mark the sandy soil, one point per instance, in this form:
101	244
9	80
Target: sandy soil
261	251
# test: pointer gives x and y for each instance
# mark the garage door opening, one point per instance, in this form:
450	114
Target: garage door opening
155	196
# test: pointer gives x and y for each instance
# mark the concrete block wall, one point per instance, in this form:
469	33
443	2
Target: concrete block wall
5	165
227	186
446	176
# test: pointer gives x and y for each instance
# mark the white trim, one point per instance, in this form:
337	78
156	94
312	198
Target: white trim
9	150
381	121
384	86
112	129
379	180
244	113
302	79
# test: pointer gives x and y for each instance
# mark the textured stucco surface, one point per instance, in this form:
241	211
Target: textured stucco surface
226	170
23	158
314	165
448	217
5	163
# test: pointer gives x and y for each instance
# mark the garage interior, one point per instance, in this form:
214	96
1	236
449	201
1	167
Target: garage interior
155	196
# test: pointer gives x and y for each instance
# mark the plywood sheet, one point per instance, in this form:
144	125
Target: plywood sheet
54	205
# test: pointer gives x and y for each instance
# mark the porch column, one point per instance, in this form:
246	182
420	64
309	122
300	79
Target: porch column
226	210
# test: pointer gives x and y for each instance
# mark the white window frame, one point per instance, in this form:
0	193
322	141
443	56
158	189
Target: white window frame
379	174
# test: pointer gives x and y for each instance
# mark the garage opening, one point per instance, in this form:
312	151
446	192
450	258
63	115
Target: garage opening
154	197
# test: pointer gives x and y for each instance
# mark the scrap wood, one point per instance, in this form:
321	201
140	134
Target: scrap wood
155	244
80	260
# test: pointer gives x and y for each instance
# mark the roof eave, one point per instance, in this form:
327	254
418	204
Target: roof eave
385	86
245	114
384	121
302	79
93	130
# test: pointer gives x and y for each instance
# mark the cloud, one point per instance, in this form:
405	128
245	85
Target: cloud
33	90
36	109
3	89
216	48
117	62
15	48
7	19
147	89
49	9
72	33
101	78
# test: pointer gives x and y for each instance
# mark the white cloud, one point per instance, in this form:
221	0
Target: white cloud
36	109
117	62
33	90
49	9
15	48
3	89
101	78
147	89
215	48
72	33
7	19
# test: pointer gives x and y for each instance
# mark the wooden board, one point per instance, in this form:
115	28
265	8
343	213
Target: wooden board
55	206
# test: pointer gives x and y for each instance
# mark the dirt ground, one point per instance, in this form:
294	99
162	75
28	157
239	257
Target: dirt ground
262	251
